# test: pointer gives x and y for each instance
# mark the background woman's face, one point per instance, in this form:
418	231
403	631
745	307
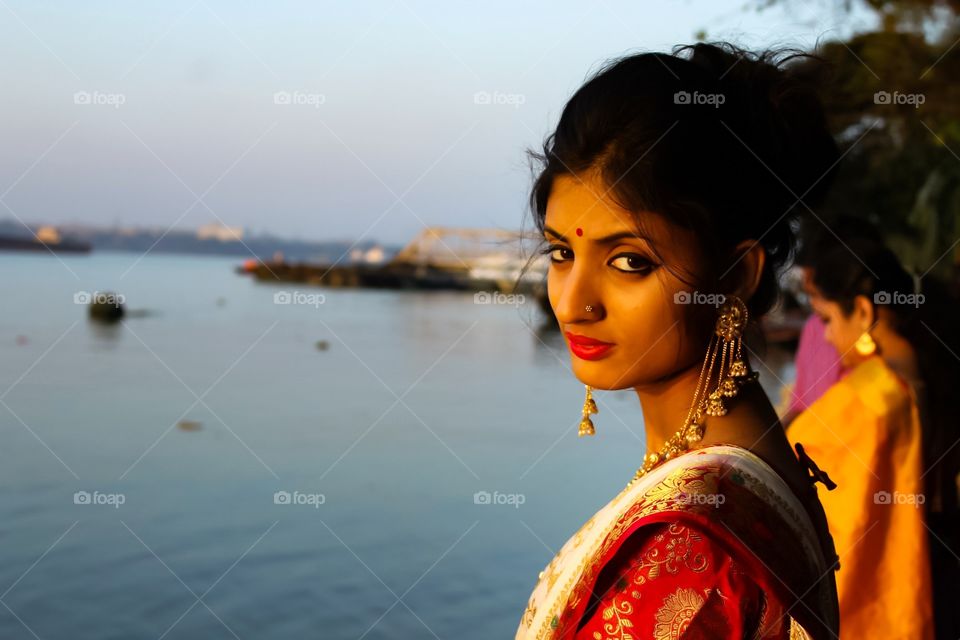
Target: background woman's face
841	330
642	309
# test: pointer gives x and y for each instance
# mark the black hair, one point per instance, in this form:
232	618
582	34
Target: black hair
929	323
816	236
722	141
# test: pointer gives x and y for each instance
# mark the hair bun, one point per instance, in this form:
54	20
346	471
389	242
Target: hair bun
718	140
773	104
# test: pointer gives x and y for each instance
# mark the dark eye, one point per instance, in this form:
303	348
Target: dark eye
631	263
557	253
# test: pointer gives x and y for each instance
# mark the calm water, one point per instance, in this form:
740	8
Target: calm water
420	401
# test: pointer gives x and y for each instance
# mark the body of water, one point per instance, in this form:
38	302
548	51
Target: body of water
409	480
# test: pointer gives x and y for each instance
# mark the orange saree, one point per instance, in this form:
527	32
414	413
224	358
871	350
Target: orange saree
865	432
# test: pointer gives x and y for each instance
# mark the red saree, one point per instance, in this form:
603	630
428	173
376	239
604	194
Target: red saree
712	544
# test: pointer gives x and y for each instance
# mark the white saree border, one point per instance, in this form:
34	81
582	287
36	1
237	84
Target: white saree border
557	581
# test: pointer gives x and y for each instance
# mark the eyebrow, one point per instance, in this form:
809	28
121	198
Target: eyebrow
613	237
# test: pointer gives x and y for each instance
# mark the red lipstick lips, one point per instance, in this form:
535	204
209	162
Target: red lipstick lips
587	348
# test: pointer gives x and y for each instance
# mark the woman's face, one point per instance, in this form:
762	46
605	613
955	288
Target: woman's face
842	330
640	308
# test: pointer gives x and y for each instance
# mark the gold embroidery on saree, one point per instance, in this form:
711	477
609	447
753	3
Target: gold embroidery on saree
678	611
664	495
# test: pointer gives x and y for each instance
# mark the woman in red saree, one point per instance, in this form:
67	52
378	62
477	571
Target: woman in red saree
713	545
666	196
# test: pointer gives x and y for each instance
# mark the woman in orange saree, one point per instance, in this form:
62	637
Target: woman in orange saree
666	198
871	429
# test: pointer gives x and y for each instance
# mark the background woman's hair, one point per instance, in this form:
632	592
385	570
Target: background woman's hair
867	268
815	236
727	143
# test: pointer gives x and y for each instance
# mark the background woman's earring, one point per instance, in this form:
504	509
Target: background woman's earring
865	344
589	406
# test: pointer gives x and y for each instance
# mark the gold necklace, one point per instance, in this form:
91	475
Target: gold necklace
727	340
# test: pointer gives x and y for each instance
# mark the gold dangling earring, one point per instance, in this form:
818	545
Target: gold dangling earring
589	406
730	327
865	345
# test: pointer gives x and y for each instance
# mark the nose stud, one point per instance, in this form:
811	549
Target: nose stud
589	308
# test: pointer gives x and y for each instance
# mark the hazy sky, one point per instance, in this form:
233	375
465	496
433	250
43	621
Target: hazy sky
129	112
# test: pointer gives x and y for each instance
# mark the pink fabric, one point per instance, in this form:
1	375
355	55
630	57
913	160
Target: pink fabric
818	365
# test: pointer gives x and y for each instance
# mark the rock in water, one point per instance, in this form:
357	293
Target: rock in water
106	307
189	425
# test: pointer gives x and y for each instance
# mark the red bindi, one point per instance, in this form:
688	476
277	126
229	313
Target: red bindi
579	231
